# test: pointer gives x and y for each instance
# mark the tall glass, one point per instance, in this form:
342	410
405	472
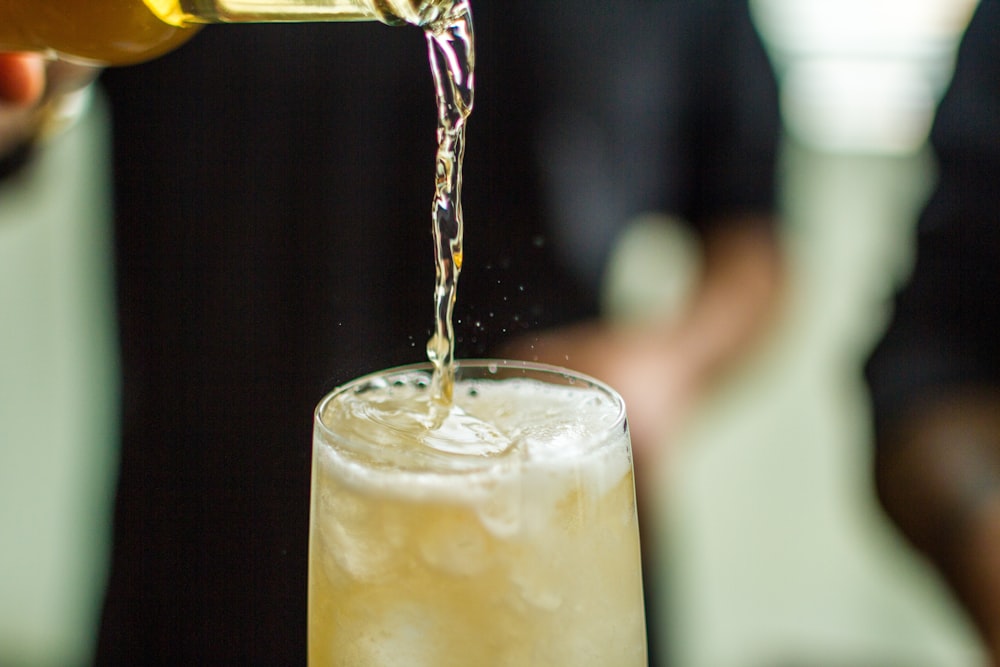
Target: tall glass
500	532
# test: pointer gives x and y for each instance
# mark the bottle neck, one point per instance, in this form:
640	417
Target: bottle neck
392	12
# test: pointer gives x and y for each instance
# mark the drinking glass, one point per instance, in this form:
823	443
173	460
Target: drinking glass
497	530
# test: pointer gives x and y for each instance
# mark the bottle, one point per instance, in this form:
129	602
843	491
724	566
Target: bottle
122	32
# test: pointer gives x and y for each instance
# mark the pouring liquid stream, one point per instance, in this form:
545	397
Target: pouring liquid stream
450	47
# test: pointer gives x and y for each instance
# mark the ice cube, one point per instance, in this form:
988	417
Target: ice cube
456	544
537	589
405	639
351	538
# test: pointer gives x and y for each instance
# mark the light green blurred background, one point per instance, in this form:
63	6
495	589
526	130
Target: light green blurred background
58	399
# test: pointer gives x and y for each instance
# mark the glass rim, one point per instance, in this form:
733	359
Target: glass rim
502	368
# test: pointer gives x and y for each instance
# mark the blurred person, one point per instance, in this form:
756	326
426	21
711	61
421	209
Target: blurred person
653	110
666	108
935	376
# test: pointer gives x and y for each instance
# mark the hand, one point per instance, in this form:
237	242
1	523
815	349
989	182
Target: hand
30	87
654	375
22	79
938	474
661	367
645	364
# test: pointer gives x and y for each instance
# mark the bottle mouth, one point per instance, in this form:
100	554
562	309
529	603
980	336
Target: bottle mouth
415	12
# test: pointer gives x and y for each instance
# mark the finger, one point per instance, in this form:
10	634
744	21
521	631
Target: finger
22	78
63	77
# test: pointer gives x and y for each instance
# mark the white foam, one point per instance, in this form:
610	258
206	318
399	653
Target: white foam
553	437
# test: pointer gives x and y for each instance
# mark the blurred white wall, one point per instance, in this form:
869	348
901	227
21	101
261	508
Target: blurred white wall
861	75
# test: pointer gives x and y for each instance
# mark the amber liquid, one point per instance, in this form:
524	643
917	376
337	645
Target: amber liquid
451	49
109	32
509	537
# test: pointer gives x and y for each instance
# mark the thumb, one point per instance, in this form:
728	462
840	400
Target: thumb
22	78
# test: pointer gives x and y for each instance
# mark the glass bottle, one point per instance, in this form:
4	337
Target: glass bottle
120	32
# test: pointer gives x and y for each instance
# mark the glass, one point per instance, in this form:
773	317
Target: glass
500	532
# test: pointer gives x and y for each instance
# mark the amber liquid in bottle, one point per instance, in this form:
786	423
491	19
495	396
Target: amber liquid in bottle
113	32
